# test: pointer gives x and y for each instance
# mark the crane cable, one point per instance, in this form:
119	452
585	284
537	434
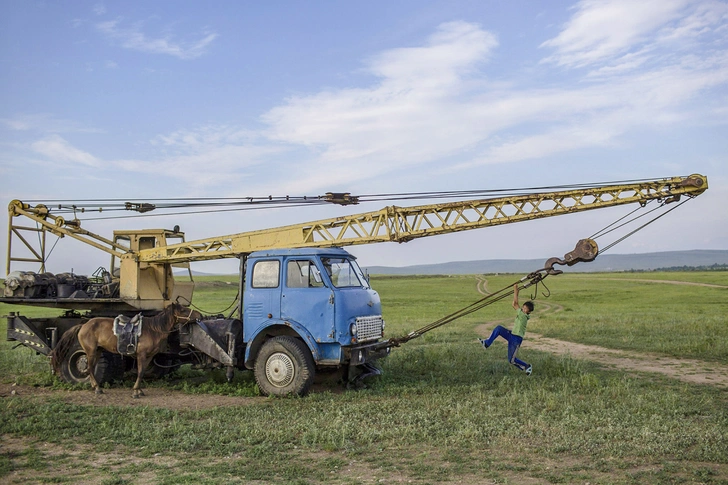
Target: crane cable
532	279
204	205
221	312
604	230
472	308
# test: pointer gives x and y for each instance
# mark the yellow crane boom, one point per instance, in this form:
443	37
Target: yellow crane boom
146	257
402	224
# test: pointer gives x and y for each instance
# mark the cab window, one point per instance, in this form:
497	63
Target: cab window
344	273
303	274
266	274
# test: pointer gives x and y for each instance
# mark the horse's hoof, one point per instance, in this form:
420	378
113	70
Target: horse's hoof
99	391
135	396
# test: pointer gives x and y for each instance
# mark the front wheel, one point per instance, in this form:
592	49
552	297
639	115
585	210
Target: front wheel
284	366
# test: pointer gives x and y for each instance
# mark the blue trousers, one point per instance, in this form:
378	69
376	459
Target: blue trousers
514	342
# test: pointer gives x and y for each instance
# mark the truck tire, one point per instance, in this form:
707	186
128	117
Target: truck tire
284	366
74	368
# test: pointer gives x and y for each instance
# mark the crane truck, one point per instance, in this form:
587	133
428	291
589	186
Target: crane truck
304	303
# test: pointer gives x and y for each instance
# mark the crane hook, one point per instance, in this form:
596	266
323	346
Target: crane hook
548	291
586	250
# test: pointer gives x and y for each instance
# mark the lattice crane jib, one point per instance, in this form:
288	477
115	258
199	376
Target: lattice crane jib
145	270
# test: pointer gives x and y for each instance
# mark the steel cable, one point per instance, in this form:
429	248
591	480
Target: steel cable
227	204
610	246
467	310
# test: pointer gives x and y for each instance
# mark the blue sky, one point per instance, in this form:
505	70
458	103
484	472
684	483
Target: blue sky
139	100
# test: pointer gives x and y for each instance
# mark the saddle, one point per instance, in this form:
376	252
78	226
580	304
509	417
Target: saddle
127	331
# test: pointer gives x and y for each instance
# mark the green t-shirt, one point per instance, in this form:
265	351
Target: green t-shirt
519	328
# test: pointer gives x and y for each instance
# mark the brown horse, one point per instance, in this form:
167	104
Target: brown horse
99	333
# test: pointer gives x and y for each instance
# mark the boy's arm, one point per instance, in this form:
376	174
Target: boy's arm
516	306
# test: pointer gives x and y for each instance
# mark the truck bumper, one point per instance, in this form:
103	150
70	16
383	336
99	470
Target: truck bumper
361	362
365	353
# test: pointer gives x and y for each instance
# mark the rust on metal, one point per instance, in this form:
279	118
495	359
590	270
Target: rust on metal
586	250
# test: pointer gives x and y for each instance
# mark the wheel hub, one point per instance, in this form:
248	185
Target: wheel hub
82	364
279	369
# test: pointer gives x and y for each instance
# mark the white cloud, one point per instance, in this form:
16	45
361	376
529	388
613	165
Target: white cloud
17	124
212	155
204	137
45	123
57	149
703	18
432	106
217	167
411	116
133	38
454	50
600	30
99	9
434	103
624	34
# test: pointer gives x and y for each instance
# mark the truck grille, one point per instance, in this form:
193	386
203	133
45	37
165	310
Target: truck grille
369	328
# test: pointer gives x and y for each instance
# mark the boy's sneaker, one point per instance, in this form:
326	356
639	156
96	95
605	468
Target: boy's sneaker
529	370
483	342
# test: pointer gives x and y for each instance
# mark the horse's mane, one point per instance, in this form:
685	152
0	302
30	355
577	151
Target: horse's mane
161	323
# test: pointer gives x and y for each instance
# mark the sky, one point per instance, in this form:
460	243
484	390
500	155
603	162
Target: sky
141	100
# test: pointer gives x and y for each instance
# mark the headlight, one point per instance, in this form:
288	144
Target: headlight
352	329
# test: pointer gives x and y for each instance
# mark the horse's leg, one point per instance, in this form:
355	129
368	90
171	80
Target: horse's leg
92	357
142	363
92	361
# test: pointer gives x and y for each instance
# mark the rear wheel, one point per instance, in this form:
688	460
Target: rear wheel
284	366
74	368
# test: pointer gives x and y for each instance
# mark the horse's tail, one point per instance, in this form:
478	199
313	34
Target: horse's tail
63	346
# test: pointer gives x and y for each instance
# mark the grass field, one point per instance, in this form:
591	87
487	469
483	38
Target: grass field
444	411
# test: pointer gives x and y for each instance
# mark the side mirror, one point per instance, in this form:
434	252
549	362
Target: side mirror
316	274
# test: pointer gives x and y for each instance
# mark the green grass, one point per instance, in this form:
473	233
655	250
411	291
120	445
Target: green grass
444	410
619	311
21	364
626	313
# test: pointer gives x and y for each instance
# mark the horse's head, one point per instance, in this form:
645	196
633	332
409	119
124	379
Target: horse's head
183	314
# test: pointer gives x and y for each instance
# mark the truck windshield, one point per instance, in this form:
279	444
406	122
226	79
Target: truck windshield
344	273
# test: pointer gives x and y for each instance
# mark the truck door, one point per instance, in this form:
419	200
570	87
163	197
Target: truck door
306	299
263	296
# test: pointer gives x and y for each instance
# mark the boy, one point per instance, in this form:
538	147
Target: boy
515	337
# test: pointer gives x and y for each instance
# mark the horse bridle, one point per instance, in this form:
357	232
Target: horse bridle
187	319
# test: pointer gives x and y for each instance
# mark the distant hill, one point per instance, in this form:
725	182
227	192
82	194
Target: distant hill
603	263
183	272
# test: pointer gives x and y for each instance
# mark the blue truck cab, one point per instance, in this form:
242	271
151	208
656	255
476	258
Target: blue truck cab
308	308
